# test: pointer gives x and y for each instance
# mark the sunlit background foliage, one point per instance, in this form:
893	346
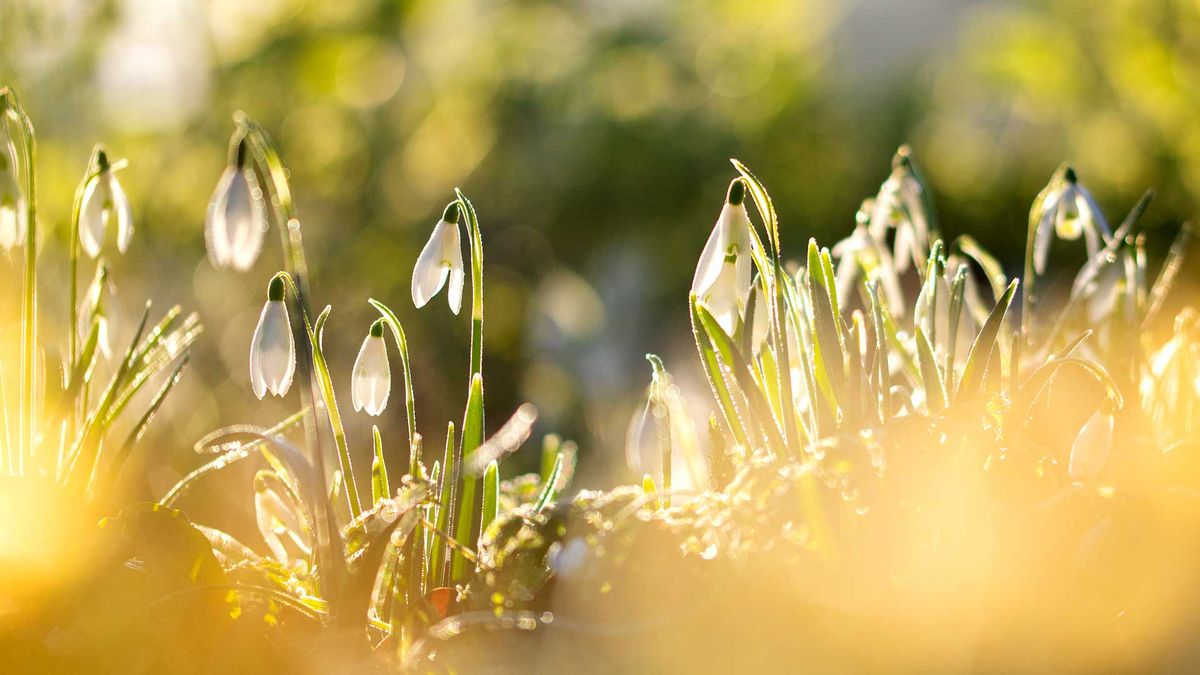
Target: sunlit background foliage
593	136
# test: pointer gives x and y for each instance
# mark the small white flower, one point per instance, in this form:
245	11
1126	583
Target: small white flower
722	279
104	201
862	252
237	216
1089	452
900	205
12	199
1067	209
371	380
100	303
441	259
272	351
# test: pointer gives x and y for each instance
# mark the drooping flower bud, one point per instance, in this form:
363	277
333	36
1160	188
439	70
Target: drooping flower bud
371	379
441	259
272	350
237	215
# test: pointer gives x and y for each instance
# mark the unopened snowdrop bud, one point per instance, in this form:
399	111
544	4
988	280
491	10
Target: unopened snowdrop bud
1089	452
272	351
99	304
722	279
12	199
371	380
901	204
237	216
441	259
1067	209
104	201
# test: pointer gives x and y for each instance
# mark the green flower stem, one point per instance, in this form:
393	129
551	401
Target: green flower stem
325	382
473	419
73	266
11	107
271	165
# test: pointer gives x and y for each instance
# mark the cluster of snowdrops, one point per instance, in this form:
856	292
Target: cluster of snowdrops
826	374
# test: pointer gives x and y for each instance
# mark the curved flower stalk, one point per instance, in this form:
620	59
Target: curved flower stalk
722	278
272	350
903	205
237	215
675	445
23	162
441	259
104	201
252	153
274	343
371	379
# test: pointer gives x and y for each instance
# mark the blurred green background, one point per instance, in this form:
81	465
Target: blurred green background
593	137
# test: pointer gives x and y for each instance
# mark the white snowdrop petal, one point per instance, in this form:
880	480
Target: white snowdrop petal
721	299
453	255
93	215
10	227
371	379
216	230
1089	452
1068	218
1095	215
245	222
905	247
711	261
123	213
454	293
272	351
742	270
1041	240
12	207
429	272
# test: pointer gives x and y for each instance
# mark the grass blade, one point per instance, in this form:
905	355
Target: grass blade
981	350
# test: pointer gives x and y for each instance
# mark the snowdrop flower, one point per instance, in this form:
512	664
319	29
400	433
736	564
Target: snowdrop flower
12	199
1089	452
99	304
1066	209
862	252
237	216
272	351
441	259
722	279
371	380
901	205
104	201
